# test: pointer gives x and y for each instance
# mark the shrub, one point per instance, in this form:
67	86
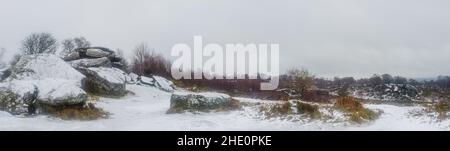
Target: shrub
76	112
146	62
348	104
442	108
39	43
234	104
354	109
298	80
276	110
308	109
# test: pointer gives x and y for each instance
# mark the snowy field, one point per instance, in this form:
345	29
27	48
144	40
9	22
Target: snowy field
146	110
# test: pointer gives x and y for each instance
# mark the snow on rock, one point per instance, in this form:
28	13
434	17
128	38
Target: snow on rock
164	84
95	57
52	92
189	101
42	66
97	53
41	79
143	80
57	92
153	81
98	62
132	78
104	81
17	98
72	56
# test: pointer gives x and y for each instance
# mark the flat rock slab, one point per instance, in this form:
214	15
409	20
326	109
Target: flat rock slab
203	102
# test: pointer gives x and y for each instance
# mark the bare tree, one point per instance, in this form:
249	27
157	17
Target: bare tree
81	42
141	52
71	44
39	43
146	62
300	80
68	45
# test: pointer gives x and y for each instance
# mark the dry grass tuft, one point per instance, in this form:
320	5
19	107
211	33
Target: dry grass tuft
355	110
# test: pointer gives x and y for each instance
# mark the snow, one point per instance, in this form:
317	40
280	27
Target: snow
205	94
146	110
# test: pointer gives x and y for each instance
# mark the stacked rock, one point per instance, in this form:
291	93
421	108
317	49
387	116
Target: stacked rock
104	70
94	57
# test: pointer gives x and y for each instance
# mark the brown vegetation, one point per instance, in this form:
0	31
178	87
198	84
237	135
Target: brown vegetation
355	110
308	109
147	62
76	112
442	108
276	110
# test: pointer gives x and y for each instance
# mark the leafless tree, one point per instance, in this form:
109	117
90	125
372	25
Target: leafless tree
300	80
141	52
39	43
147	62
81	42
68	45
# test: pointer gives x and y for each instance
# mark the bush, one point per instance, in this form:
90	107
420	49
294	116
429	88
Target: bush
308	109
39	43
442	108
355	110
276	110
298	80
146	62
76	112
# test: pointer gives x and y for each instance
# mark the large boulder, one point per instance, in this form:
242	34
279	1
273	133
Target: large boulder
163	83
43	66
18	99
203	102
95	57
27	96
104	81
41	79
60	92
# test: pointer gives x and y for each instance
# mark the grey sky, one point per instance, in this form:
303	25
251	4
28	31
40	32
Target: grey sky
328	37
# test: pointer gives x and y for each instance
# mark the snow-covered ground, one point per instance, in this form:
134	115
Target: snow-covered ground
146	110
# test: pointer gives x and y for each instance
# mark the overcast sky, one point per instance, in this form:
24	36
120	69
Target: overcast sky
328	37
